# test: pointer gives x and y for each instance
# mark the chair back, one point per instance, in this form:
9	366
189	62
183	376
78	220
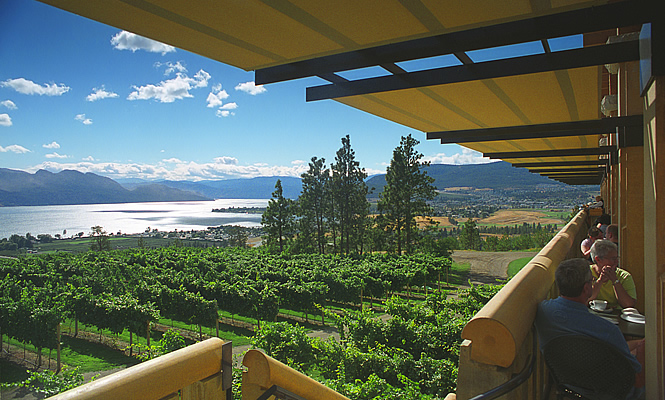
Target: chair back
595	367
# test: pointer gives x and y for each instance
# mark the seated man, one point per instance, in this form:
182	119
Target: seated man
612	284
593	235
568	315
612	233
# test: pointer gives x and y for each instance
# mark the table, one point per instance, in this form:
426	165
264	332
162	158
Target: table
630	330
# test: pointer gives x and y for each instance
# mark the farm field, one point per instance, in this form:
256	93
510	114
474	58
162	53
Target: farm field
519	217
508	217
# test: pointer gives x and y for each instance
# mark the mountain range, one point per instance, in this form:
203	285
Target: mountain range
18	188
496	175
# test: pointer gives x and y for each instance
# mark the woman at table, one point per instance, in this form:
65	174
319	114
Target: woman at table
610	283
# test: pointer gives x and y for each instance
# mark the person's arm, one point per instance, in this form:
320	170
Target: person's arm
624	299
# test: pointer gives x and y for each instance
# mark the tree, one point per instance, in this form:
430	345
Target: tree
349	206
101	240
469	238
238	236
407	190
279	218
313	200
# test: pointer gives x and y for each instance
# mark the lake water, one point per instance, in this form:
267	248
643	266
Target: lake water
125	217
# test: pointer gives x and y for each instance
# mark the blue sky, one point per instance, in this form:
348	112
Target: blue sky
77	94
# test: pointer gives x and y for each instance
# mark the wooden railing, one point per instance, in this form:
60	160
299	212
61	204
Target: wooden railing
264	372
498	339
200	371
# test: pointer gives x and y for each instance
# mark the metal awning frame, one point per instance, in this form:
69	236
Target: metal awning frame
590	19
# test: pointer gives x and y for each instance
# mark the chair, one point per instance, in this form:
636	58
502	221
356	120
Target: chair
588	368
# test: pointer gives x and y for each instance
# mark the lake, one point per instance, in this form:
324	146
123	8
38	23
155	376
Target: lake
125	217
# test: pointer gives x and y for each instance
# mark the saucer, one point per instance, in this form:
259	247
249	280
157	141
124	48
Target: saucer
607	310
634	318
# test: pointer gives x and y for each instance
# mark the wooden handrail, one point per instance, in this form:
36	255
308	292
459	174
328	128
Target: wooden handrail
498	329
159	377
263	372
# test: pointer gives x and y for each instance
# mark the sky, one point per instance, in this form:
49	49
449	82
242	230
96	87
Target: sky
80	95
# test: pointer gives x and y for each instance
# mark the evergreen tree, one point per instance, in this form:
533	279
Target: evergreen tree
406	192
313	201
349	207
469	237
279	219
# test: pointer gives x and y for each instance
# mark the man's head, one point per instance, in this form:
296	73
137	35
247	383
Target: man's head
571	276
604	253
612	233
595	233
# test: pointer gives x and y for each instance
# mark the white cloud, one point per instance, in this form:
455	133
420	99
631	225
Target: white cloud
52	145
229	106
216	96
250	88
14	148
223	167
171	90
99	94
88	158
82	118
226	160
223	113
467	156
298	162
25	86
5	120
9	104
129	41
171	67
56	155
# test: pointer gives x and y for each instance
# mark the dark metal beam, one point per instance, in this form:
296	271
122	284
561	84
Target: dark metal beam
593	151
590	19
568	59
580	181
561	164
576	128
564	170
578	175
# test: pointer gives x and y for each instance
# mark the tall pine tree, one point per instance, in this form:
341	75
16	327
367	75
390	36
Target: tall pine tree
405	195
279	219
313	202
349	206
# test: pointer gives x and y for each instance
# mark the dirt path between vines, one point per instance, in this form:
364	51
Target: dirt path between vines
487	266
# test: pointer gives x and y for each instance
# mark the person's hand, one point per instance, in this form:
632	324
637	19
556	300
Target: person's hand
604	275
610	272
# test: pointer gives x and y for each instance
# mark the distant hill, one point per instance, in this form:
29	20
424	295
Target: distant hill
252	188
496	175
18	188
73	187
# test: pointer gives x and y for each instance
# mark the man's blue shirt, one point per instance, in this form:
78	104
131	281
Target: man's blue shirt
562	317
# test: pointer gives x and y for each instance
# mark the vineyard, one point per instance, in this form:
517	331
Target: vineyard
129	291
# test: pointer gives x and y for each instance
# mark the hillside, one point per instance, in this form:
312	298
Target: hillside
252	188
73	187
497	175
18	188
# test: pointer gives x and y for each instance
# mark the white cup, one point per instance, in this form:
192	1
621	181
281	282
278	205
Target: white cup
599	305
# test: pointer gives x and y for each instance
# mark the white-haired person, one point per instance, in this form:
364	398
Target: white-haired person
610	283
